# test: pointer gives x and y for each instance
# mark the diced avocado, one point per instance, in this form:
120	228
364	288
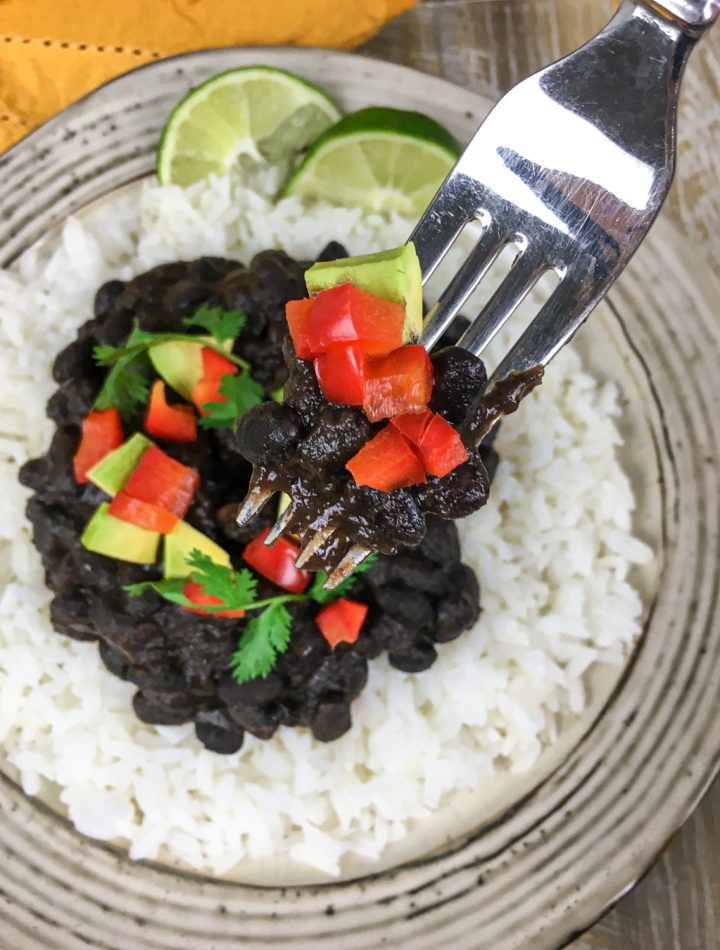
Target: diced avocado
112	537
111	473
393	275
180	544
180	364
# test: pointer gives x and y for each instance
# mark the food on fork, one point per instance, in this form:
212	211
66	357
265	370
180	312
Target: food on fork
378	434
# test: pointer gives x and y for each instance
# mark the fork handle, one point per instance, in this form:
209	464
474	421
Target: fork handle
695	16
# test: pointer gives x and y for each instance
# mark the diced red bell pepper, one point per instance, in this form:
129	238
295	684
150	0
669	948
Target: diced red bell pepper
176	423
277	563
163	481
142	513
437	442
207	391
387	462
341	374
296	312
215	365
196	593
101	433
345	314
441	448
413	424
341	621
398	383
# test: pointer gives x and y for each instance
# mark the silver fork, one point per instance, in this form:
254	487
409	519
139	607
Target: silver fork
570	168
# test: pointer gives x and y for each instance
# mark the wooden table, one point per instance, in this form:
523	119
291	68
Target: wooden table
487	45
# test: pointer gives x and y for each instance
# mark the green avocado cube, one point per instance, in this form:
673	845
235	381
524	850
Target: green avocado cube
180	363
111	473
180	544
392	275
112	537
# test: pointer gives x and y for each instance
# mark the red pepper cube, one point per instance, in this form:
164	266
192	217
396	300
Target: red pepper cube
205	392
142	513
176	423
341	621
215	365
296	313
399	383
277	563
164	482
413	424
101	433
196	593
386	462
345	314
341	374
437	442
441	448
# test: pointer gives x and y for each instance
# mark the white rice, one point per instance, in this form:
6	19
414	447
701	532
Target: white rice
552	549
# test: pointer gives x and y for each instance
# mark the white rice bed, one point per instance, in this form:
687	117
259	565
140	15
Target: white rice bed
552	550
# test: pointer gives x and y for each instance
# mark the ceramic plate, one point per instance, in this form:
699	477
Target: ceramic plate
538	860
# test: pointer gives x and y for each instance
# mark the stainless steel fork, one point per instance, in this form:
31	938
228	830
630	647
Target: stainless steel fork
570	168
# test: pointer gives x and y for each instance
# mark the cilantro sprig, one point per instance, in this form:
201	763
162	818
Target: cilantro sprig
220	323
241	393
266	635
127	385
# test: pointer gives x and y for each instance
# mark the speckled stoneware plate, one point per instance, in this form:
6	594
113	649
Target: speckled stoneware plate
543	857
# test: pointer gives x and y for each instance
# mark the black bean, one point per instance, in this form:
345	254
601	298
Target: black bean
411	571
457	613
150	709
331	719
392	634
459	378
268	433
75	360
68	614
254	692
411	608
186	296
106	297
259	721
114	661
332	252
218	732
440	544
458	494
421	657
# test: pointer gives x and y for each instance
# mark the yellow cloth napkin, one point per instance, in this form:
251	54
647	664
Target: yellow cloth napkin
54	51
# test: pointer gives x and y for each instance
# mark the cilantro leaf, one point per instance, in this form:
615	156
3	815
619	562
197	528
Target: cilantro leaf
235	589
321	596
263	639
222	324
242	393
127	385
171	589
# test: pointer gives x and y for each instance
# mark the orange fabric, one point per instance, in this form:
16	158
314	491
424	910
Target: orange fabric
54	51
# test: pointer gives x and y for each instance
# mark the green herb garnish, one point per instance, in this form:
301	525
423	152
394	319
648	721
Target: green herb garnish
127	385
266	635
242	392
220	323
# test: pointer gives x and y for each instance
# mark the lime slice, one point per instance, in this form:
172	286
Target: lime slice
378	159
256	111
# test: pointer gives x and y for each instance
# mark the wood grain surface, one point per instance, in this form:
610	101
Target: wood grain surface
487	45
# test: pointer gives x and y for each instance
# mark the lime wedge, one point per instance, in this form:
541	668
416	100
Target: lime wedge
256	111
378	159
